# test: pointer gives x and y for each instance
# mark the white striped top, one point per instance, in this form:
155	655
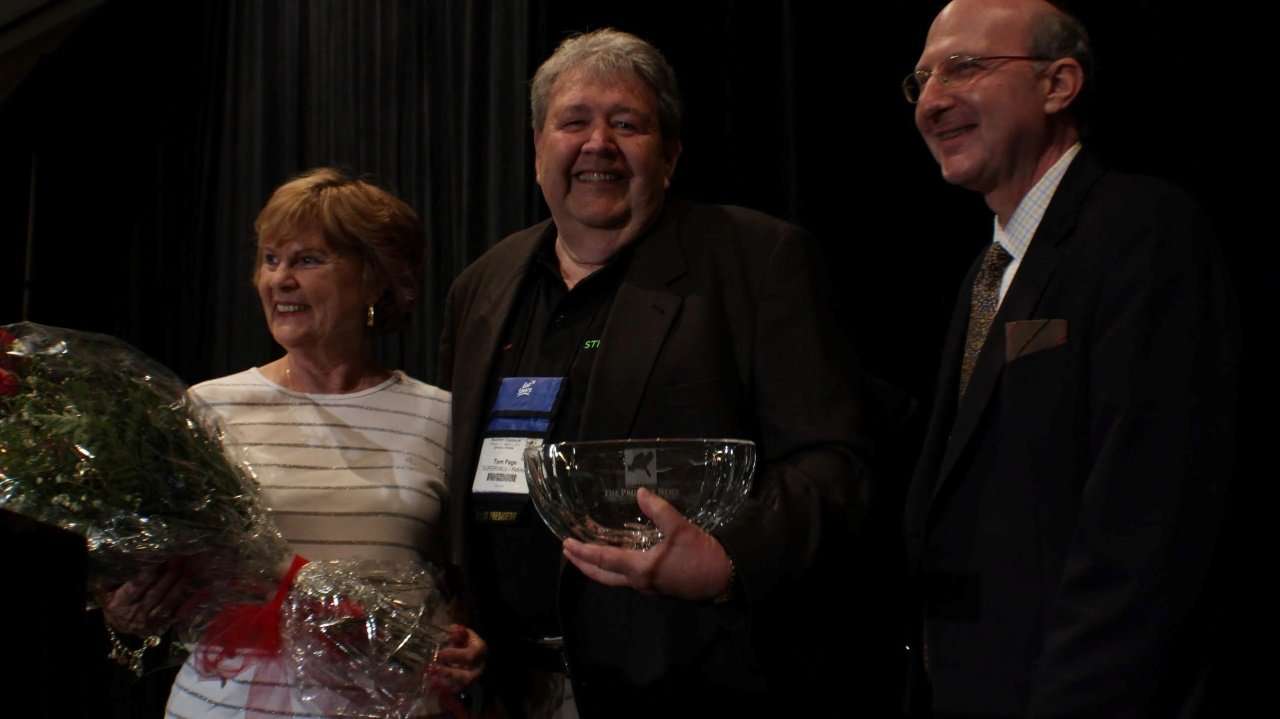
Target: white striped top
345	476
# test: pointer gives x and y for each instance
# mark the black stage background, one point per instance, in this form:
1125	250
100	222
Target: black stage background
140	138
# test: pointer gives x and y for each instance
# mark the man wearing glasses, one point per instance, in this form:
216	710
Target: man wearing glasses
1067	501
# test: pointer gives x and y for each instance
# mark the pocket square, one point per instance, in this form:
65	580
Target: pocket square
1024	337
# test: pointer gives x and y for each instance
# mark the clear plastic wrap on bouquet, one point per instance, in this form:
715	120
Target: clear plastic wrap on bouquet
98	439
340	638
365	630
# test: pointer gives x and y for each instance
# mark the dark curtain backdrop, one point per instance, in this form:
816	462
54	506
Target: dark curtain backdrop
157	132
138	153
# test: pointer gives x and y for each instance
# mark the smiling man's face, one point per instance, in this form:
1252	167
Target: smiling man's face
600	156
988	132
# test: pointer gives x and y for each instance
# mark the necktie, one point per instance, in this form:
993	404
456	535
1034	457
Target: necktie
982	308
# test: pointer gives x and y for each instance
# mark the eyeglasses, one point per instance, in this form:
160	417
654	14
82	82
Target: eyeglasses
956	71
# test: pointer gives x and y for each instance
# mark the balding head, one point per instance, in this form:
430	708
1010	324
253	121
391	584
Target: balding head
993	110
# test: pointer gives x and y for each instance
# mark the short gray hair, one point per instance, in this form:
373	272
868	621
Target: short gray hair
610	52
1056	34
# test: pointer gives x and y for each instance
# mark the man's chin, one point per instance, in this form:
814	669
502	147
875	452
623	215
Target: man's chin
601	221
961	176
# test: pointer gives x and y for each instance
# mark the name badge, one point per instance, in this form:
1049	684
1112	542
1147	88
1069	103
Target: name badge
520	418
501	467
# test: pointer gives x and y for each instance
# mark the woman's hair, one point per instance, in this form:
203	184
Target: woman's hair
355	218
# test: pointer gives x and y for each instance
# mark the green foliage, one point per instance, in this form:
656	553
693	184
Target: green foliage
101	440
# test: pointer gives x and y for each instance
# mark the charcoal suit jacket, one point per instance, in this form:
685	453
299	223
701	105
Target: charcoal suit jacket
1063	515
720	328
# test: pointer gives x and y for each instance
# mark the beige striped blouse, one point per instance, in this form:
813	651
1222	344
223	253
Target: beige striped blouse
351	476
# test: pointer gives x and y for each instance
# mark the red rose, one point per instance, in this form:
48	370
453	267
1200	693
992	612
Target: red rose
6	343
8	383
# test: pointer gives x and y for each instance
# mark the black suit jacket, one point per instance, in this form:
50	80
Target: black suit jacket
1063	515
719	328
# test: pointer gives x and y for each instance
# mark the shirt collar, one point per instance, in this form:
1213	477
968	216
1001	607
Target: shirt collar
1016	236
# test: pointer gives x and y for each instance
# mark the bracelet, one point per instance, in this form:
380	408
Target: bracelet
126	657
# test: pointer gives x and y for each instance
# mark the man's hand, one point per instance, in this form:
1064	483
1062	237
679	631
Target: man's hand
687	564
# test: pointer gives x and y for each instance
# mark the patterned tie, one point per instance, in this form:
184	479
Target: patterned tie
982	309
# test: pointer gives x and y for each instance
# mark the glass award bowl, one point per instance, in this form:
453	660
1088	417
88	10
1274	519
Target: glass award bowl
587	490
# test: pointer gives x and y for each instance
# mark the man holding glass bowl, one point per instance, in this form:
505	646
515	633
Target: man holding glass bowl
632	315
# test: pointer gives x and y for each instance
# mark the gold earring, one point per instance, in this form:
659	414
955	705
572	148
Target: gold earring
369	317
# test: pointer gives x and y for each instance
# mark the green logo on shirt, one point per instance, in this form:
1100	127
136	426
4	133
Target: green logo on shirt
591	345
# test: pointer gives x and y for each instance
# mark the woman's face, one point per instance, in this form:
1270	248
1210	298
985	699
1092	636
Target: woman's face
313	298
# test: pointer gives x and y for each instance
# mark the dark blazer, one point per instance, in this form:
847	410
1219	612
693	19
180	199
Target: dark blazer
1062	518
719	328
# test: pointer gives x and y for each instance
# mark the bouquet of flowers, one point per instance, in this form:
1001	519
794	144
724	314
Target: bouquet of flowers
98	439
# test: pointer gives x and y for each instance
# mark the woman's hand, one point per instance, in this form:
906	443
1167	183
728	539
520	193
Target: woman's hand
147	603
461	662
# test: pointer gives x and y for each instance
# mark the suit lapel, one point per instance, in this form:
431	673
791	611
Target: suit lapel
1020	302
642	314
478	344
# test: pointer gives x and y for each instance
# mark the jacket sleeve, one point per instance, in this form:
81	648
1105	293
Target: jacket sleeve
1162	375
811	482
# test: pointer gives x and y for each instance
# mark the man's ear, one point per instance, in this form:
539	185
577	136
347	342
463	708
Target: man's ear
1065	81
537	157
